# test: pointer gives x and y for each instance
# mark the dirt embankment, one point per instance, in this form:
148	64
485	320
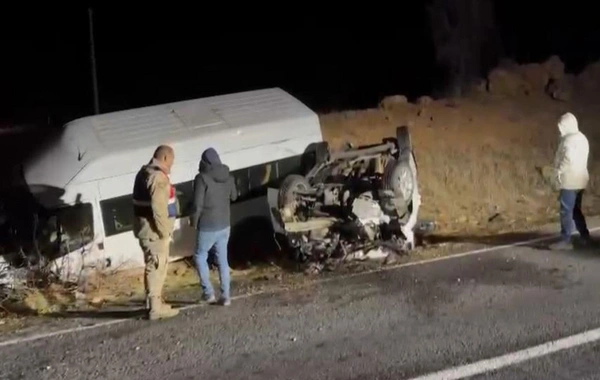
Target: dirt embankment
478	154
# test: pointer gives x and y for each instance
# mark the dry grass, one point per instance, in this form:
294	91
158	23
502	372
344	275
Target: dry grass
181	274
102	289
38	301
477	156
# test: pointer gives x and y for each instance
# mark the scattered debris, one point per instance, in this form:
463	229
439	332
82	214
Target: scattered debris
6	273
313	268
391	259
376	254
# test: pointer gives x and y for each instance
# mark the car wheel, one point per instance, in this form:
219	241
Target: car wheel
288	188
404	143
399	179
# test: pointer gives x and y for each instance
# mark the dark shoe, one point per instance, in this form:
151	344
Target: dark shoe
588	241
561	246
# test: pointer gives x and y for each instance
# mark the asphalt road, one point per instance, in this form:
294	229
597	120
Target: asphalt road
396	324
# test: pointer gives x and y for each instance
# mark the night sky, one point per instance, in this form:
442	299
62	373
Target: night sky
331	63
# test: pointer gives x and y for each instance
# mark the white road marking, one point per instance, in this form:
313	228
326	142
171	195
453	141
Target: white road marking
488	365
35	337
60	332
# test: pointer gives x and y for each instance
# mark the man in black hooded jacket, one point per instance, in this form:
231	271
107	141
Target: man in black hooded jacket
214	189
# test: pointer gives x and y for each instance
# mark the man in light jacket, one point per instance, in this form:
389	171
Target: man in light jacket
214	189
572	178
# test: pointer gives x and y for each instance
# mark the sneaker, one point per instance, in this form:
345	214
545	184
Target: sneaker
561	246
211	300
225	301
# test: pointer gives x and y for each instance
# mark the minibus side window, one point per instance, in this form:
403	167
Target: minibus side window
287	166
117	214
185	197
253	181
242	184
66	229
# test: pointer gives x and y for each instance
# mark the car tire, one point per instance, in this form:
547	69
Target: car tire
398	177
404	143
289	186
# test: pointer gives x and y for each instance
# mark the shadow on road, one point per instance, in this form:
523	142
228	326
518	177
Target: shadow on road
252	242
134	309
532	239
100	314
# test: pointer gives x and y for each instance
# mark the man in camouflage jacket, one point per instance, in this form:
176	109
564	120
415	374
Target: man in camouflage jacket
155	211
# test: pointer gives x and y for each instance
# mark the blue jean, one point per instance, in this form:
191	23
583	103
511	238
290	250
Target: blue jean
570	211
205	241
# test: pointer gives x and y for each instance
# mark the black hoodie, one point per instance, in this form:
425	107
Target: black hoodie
214	189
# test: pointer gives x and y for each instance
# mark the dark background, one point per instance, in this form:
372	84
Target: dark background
329	61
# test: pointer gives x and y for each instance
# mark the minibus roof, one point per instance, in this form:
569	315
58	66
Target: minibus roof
112	144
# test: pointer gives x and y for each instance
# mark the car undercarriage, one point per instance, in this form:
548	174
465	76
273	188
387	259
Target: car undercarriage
350	203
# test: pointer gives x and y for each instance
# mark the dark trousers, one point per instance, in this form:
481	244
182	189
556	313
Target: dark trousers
570	211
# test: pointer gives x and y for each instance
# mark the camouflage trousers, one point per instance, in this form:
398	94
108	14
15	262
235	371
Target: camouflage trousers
156	257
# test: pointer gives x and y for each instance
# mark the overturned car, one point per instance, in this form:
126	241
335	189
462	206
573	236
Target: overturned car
351	201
